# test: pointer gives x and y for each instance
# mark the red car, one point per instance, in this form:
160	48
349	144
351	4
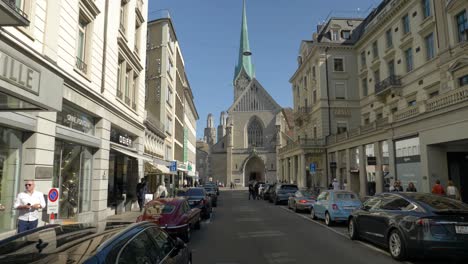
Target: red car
174	215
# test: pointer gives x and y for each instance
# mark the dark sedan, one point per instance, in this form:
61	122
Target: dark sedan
211	191
198	198
413	224
173	215
94	244
281	193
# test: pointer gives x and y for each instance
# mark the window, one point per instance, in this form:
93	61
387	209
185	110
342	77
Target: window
363	59
169	94
365	91
462	26
169	125
314	95
341	127
375	49
255	134
340	90
127	86
379	116
394	109
391	68
139	250
409	59
389	38
376	76
338	64
366	121
462	81
81	45
430	52
406	24
168	152
315	131
170	67
120	70
433	94
305	82
313	72
412	102
123	17
426	5
346	34
334	35
137	37
133	96
395	203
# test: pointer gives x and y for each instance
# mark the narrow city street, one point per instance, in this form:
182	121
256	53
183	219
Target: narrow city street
243	231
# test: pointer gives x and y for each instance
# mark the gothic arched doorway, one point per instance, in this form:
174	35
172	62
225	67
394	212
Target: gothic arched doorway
254	170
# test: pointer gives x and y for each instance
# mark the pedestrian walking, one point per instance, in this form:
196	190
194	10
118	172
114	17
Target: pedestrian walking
142	189
335	184
161	192
396	187
438	188
251	191
452	191
27	203
411	187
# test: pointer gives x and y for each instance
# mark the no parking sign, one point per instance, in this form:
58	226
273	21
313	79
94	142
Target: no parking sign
52	204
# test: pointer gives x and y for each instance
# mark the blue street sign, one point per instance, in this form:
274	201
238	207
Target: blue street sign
173	167
312	167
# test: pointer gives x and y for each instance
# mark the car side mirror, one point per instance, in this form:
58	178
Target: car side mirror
179	244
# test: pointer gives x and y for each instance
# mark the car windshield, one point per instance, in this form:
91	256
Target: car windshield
159	209
288	187
345	196
439	202
195	192
307	194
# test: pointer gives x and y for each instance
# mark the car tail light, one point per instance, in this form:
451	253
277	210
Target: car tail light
302	201
335	207
202	202
423	221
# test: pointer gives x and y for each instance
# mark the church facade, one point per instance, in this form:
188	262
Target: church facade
243	146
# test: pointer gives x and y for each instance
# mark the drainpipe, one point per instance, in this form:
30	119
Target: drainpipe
104	50
329	114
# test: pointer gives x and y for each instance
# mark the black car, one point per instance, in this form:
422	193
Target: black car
413	224
264	191
281	192
94	244
267	193
211	191
199	198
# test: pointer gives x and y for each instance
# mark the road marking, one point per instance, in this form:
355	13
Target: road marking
256	234
341	234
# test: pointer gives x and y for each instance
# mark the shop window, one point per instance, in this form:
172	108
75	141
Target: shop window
338	64
462	26
10	154
73	175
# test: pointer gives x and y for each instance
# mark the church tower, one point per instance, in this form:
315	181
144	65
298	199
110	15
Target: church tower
210	130
222	126
244	71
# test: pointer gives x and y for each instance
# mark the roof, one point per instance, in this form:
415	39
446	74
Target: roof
289	116
244	61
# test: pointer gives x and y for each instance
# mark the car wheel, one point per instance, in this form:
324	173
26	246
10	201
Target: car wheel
276	201
312	213
328	220
198	224
187	235
396	245
352	229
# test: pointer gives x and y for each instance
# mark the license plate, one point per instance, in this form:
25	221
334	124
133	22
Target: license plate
461	230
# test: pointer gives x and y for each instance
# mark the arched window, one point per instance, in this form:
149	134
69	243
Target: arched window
255	134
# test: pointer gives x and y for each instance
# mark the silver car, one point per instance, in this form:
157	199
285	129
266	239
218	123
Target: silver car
302	200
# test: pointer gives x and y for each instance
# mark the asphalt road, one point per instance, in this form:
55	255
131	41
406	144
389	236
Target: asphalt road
257	232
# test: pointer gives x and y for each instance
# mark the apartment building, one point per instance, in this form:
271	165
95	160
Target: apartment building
412	85
169	99
326	100
72	91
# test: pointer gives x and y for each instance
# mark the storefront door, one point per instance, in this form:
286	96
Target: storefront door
123	177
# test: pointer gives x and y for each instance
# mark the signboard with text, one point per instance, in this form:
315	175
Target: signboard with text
173	167
312	168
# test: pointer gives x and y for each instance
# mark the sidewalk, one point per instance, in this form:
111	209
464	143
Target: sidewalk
130	216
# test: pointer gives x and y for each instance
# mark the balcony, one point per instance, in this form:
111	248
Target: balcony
447	99
81	65
387	85
12	15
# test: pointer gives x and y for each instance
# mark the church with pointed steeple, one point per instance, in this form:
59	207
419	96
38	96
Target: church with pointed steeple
244	147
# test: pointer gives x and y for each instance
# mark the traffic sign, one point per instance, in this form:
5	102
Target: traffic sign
312	167
52	204
173	167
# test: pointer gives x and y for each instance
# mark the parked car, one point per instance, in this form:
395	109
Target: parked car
413	224
211	191
104	242
281	192
301	200
264	194
198	198
174	215
334	206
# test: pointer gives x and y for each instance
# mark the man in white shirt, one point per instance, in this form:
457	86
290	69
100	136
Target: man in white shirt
161	192
27	203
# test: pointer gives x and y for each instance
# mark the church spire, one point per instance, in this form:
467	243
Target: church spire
244	50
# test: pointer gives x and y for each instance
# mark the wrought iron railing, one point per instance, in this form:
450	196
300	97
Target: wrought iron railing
81	65
392	81
12	4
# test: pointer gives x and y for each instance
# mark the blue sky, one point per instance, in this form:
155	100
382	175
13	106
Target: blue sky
208	32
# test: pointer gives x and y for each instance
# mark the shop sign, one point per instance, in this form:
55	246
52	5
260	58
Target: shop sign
52	203
189	166
19	74
75	119
173	167
408	159
121	138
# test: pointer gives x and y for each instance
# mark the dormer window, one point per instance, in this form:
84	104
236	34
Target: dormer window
346	34
334	35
